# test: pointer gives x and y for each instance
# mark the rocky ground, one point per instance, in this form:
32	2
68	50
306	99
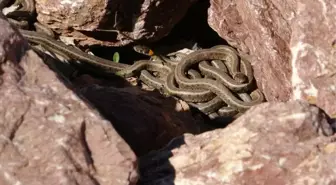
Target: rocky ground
96	131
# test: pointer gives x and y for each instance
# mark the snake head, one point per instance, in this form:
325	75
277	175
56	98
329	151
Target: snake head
240	78
143	50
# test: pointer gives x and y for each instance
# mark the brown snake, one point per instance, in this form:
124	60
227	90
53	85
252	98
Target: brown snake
221	87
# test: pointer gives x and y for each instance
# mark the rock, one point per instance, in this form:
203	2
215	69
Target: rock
272	143
291	45
136	20
54	126
146	120
49	135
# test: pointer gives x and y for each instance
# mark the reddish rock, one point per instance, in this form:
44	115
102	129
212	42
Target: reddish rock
64	131
138	20
48	133
272	143
291	45
146	120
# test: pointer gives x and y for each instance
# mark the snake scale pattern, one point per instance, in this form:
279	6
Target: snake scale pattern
217	81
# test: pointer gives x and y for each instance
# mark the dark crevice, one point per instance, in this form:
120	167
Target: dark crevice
19	122
87	152
192	28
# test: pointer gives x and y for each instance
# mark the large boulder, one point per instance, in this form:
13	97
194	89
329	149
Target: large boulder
291	45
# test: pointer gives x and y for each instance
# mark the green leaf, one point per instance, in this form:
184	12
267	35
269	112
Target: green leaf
116	57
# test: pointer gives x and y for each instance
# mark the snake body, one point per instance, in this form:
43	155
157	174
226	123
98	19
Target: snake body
215	86
221	86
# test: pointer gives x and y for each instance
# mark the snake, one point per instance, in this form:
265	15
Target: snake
242	75
213	85
217	103
25	12
193	90
197	95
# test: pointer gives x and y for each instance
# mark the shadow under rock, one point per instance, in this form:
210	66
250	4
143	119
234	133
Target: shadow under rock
143	118
146	120
155	167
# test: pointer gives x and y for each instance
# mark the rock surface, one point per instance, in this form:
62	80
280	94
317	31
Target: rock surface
64	133
291	45
53	126
48	133
272	143
146	120
139	20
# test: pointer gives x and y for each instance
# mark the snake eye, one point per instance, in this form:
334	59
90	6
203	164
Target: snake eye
143	50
